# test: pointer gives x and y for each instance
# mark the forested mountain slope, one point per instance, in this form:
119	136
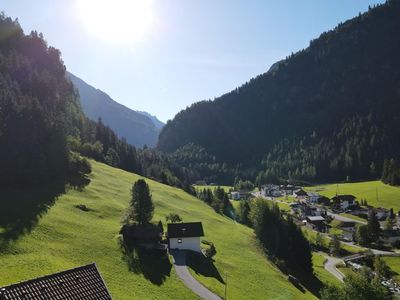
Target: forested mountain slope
138	129
38	109
327	112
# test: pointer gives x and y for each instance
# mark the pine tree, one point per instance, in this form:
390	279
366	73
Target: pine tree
334	245
373	226
141	206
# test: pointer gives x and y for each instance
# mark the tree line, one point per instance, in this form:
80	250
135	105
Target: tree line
217	199
282	240
38	110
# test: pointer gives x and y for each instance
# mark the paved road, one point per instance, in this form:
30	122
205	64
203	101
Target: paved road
181	269
344	219
330	266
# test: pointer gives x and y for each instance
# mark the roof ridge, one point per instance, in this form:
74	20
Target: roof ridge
52	275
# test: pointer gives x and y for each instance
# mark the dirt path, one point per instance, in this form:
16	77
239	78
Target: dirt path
181	269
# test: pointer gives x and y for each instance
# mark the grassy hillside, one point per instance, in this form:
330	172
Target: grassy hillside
320	272
66	237
388	196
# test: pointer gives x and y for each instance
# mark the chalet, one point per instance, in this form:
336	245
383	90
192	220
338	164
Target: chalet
344	201
288	190
316	223
300	194
313	197
296	208
235	195
322	200
185	236
80	283
382	213
270	190
244	194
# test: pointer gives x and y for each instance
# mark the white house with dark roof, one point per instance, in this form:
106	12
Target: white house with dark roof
185	236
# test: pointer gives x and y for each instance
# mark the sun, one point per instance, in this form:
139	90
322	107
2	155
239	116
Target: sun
121	21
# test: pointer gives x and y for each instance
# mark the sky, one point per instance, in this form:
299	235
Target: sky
161	56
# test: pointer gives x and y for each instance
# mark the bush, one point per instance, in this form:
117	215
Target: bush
173	218
211	251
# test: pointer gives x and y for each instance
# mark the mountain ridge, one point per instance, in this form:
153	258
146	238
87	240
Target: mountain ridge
327	112
138	128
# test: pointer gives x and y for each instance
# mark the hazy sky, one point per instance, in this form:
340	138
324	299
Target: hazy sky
162	56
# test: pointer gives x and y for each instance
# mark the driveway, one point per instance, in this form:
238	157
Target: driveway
179	260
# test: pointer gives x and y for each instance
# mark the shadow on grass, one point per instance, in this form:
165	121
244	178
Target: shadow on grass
312	283
203	266
155	266
303	281
21	208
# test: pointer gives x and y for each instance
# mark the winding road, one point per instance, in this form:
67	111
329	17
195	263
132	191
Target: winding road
330	266
179	260
344	219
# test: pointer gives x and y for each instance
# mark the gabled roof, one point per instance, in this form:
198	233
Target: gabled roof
80	283
344	198
301	192
176	230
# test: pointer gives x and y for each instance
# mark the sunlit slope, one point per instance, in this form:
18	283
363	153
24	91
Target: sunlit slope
376	193
67	237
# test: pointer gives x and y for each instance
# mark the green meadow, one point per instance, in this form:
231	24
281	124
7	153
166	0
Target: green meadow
376	193
66	236
321	272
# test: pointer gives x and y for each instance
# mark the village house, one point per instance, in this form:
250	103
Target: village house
84	282
382	213
313	197
300	194
235	195
322	200
344	202
287	190
185	236
270	190
316	223
296	208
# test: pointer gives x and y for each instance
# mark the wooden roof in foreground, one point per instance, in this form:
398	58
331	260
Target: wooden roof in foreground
83	283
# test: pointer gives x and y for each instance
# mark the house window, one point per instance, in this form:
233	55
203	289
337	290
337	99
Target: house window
179	241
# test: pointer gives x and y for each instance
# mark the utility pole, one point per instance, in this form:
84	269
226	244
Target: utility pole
226	283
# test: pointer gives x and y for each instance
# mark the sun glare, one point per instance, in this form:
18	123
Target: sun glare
122	21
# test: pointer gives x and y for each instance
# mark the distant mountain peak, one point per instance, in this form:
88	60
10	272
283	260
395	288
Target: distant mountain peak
139	128
159	124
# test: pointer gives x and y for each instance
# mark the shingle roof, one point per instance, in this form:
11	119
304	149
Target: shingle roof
344	197
185	229
82	283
